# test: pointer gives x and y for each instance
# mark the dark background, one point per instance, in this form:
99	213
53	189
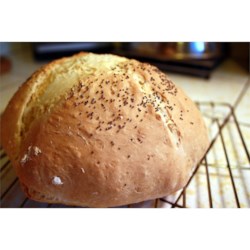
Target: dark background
191	58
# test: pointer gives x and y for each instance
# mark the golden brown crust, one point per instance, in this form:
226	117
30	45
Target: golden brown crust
120	136
11	119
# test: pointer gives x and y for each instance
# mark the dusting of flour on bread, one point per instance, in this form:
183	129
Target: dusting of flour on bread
57	180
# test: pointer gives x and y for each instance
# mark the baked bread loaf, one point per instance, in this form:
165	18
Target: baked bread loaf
101	131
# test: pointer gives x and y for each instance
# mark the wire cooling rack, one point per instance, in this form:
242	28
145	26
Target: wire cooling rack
221	179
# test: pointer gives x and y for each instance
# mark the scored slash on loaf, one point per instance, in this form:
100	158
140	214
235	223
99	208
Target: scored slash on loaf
102	131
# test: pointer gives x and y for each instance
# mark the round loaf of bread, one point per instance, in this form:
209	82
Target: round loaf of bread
102	131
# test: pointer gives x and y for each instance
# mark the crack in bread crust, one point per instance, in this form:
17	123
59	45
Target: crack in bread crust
61	78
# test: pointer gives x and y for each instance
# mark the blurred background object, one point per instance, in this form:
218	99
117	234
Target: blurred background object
192	58
5	63
240	52
53	50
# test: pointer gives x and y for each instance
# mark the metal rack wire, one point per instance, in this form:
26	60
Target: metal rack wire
221	179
